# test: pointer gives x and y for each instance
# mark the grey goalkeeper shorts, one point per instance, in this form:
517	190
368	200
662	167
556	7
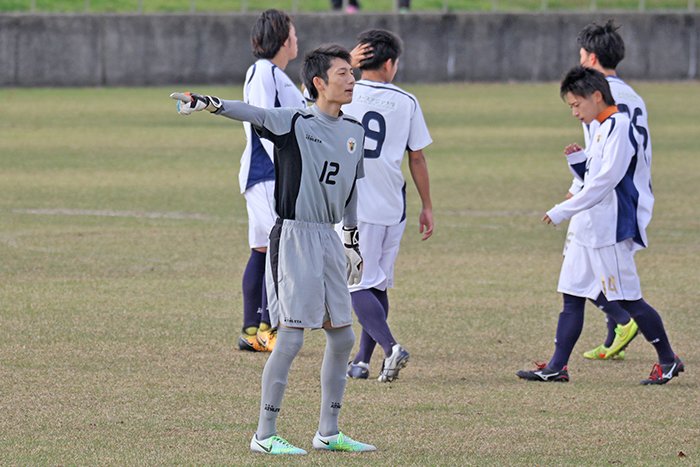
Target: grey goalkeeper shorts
305	276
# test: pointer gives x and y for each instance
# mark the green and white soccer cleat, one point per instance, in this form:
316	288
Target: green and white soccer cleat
601	351
340	442
274	445
623	337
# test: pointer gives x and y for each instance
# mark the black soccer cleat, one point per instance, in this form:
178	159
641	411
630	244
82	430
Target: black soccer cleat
662	374
544	373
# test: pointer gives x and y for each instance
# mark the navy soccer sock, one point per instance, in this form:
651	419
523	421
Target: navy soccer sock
253	279
383	298
615	315
264	310
367	344
652	328
568	331
372	316
612	325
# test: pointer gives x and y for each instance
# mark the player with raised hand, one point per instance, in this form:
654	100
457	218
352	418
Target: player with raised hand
318	160
615	207
602	49
394	125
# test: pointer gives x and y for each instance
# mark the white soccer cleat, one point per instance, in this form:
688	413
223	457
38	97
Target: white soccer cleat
392	364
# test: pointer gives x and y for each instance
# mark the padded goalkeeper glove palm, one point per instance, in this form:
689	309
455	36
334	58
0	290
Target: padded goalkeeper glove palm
188	102
353	266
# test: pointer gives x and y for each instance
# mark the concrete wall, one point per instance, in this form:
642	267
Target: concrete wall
160	49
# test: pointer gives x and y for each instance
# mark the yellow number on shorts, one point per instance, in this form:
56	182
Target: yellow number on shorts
610	286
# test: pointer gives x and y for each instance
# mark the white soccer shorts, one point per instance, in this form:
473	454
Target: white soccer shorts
586	272
260	203
379	247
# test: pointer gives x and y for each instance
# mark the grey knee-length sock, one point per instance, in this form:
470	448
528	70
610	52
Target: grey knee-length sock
339	344
274	379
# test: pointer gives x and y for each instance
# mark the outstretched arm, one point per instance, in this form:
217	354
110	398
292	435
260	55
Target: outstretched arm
419	172
237	110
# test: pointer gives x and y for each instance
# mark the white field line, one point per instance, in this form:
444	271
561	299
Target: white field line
107	213
473	213
183	215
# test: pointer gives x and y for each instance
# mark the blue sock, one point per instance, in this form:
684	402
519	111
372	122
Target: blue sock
367	344
615	315
372	316
383	298
253	279
568	331
612	325
652	327
264	310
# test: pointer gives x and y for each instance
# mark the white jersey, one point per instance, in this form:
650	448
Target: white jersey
616	201
630	103
266	86
393	123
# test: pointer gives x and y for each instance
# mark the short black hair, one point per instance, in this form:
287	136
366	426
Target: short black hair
604	42
270	32
582	81
318	62
385	46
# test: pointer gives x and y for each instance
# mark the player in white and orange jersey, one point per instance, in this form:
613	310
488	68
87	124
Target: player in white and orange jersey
602	49
614	208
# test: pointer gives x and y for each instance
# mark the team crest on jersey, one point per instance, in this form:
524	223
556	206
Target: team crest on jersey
352	145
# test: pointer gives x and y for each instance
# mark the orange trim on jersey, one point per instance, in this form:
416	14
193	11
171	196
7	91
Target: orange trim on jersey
606	113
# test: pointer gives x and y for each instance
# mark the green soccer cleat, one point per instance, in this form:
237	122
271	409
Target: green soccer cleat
623	337
340	442
274	445
601	351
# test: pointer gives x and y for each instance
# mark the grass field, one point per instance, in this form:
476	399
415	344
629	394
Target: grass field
123	241
152	6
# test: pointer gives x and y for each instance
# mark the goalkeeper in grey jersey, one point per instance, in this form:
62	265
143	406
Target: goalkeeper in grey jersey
318	158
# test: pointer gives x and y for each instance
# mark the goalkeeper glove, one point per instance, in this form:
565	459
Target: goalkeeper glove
353	266
196	103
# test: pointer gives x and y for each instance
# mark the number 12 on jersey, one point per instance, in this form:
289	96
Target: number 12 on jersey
330	169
